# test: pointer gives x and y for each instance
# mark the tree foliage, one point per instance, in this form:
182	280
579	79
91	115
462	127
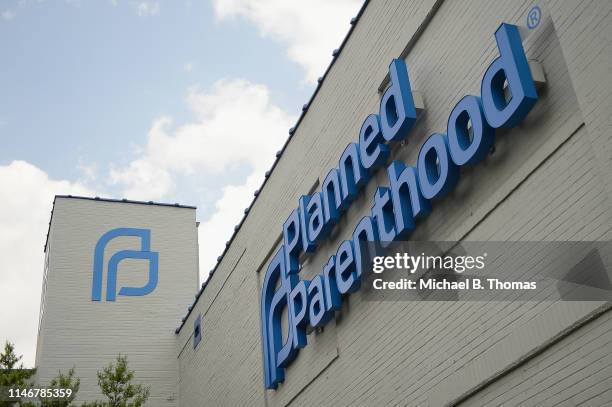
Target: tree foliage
12	372
115	382
63	381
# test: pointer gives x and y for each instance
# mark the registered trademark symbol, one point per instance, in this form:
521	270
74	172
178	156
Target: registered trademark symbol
533	17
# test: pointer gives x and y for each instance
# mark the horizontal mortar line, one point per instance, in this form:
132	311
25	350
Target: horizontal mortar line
213	299
607	307
521	182
312	380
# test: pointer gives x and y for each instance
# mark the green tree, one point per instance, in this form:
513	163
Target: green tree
63	381
12	372
115	382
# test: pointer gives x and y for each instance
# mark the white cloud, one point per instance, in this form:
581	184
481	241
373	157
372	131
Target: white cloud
229	210
235	125
188	67
310	30
7	15
148	176
26	194
90	171
147	8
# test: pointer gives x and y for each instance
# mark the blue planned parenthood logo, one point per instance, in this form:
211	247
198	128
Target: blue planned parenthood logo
395	208
144	253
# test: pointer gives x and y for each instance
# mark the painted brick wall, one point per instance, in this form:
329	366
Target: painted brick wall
548	179
75	331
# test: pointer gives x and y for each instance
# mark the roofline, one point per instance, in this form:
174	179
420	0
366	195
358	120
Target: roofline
97	198
292	131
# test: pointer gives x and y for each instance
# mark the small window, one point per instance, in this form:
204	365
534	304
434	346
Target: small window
197	331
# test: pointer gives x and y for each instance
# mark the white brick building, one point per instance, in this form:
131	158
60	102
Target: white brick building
78	331
549	178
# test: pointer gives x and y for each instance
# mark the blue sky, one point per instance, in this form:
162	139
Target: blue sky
76	74
141	99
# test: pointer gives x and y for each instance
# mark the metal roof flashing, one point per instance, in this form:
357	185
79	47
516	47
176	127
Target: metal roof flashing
97	198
